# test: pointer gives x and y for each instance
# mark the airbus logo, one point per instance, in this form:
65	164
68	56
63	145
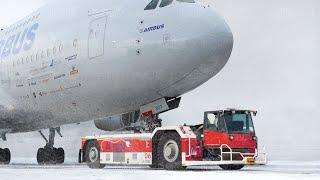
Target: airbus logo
152	28
16	43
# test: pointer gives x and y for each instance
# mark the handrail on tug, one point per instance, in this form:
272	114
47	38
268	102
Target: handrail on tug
257	156
230	152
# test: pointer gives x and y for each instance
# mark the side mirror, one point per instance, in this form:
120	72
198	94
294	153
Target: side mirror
255	113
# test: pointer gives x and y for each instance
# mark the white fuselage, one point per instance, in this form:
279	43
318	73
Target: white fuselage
77	60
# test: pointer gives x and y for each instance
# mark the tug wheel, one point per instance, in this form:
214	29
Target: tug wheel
92	155
231	167
169	152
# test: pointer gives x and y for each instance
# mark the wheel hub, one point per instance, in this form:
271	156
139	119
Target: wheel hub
93	154
171	151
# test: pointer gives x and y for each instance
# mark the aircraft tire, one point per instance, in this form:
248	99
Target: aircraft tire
60	155
40	156
5	156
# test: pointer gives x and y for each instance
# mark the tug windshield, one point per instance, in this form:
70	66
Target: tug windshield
232	122
238	122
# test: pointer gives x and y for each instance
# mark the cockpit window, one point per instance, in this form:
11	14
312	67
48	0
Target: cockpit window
165	3
152	5
187	1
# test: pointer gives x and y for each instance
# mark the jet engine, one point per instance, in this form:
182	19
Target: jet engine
118	122
144	120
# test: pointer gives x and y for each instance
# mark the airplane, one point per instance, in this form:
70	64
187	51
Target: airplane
74	61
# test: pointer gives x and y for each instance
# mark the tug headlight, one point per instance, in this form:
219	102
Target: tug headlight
254	138
231	137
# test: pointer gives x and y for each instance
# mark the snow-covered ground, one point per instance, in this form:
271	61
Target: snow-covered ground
20	169
24	165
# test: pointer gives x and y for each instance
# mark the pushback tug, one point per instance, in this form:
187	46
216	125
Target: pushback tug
226	138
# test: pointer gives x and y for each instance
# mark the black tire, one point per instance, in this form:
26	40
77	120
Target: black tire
80	158
49	156
5	156
8	156
2	156
231	167
93	159
60	155
40	156
173	160
155	166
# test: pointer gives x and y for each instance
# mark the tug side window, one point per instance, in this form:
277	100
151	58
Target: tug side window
214	122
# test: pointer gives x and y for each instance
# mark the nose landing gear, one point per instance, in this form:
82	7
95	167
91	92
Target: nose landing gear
49	154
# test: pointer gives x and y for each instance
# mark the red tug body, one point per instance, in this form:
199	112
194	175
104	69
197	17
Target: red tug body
226	138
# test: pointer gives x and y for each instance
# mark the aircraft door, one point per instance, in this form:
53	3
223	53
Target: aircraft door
97	37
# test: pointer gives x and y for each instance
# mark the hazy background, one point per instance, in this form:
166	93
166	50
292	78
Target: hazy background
273	68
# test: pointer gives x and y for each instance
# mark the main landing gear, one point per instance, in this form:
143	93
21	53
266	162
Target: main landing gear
5	155
49	154
150	122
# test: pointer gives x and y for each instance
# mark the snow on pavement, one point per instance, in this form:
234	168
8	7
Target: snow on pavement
273	171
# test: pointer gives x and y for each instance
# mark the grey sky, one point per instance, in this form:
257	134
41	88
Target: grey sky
273	68
14	10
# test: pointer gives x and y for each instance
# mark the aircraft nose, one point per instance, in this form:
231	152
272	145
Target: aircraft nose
209	43
217	43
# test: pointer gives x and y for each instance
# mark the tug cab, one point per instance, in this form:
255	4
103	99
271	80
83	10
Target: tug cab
231	127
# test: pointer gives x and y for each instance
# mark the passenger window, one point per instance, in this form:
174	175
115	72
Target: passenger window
54	51
75	43
37	56
152	5
48	52
60	48
165	3
31	58
43	55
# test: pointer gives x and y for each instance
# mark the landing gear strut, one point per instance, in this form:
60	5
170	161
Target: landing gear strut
49	154
151	122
